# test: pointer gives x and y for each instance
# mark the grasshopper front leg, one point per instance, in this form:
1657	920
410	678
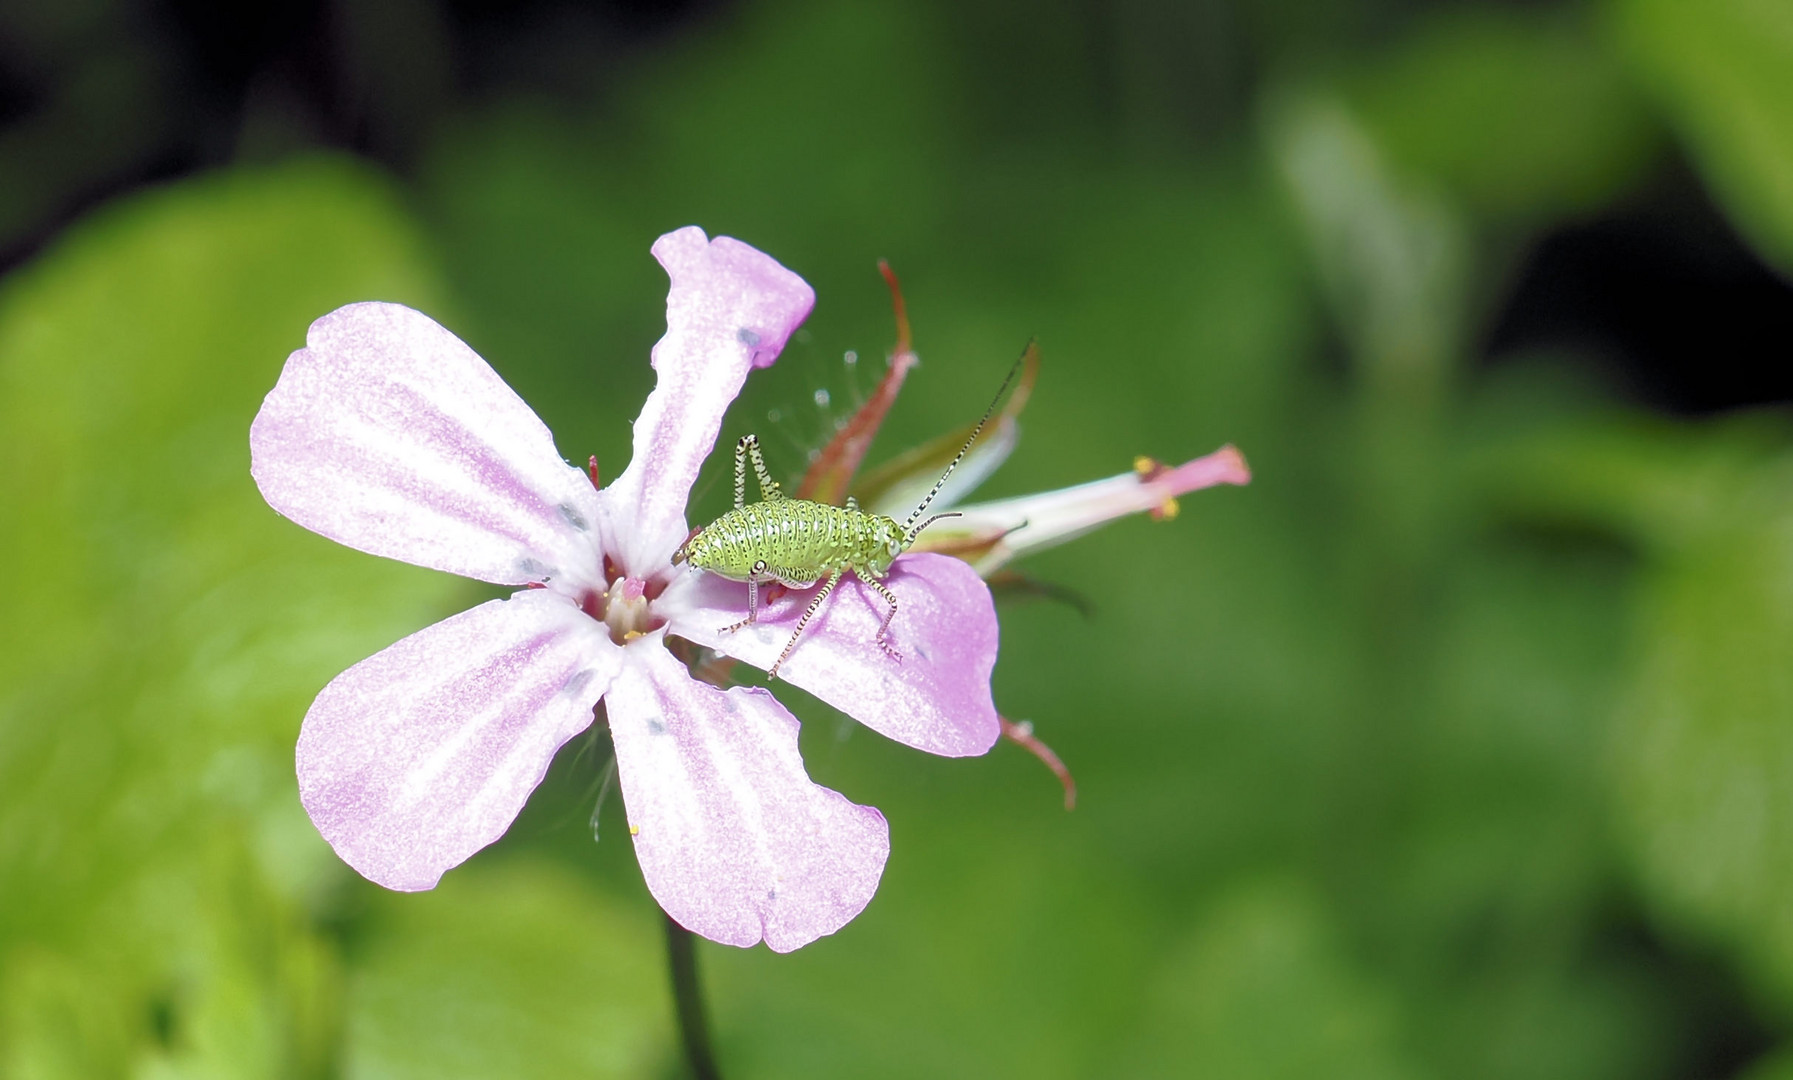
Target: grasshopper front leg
753	597
884	628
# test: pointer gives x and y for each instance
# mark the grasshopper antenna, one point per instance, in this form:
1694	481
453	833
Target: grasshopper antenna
909	527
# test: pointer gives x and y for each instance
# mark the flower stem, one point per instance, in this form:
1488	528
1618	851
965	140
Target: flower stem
688	996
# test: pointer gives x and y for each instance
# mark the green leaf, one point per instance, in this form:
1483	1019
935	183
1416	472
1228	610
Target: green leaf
165	630
518	970
1703	747
1513	114
1700	752
1391	253
1724	71
1261	989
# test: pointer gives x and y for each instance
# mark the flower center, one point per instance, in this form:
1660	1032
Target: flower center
624	609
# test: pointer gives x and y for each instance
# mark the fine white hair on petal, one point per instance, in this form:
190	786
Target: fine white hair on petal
735	841
730	308
420	755
388	434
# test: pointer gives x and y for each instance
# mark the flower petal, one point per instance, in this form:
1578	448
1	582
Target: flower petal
420	755
735	841
387	434
936	698
730	308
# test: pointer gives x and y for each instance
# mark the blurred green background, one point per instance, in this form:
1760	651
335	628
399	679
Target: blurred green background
1459	744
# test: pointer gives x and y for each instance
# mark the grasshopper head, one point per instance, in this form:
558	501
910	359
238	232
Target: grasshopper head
887	542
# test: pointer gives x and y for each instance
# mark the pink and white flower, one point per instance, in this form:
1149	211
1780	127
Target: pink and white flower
388	434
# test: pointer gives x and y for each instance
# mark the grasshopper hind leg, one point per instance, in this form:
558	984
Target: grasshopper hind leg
815	605
749	447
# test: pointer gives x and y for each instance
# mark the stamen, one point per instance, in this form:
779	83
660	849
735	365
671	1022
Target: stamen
626	610
1150	469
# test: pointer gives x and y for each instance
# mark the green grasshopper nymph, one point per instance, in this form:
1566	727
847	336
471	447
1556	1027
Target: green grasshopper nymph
796	542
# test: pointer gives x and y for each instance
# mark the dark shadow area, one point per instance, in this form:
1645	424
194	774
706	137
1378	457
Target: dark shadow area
99	98
1720	1034
1663	298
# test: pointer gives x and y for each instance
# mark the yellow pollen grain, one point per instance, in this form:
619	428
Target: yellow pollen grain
631	635
634	830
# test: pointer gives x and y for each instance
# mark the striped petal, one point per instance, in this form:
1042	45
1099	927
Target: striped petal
936	698
730	309
387	434
735	840
420	755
